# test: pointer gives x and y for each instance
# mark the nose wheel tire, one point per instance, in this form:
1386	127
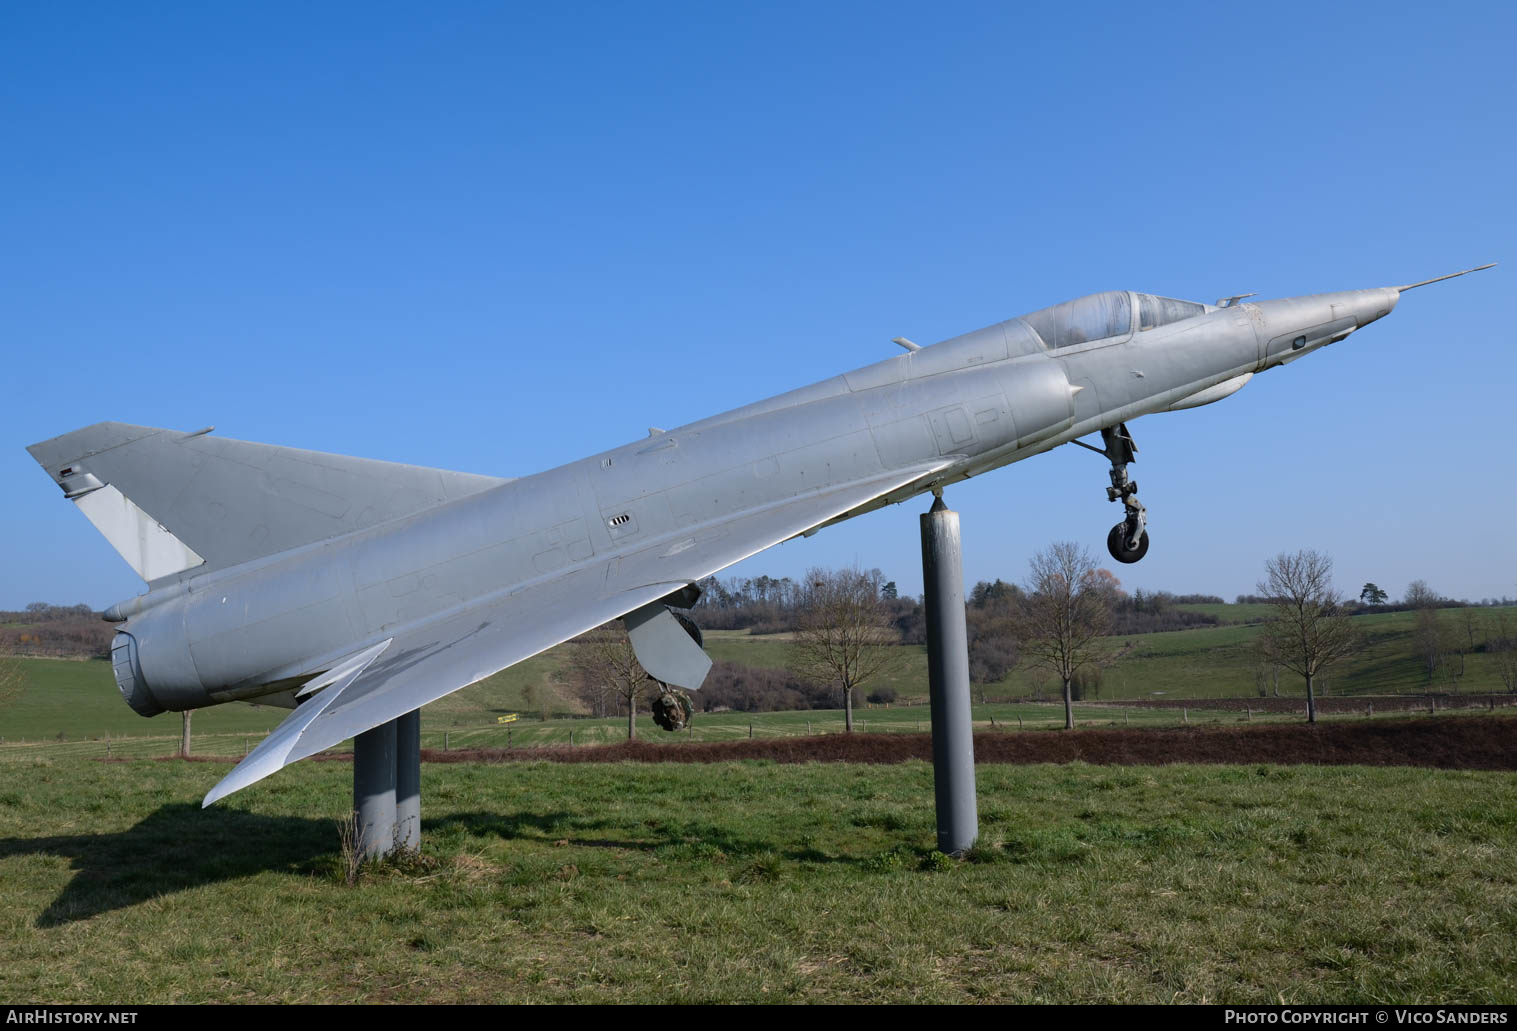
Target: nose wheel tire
672	709
1116	543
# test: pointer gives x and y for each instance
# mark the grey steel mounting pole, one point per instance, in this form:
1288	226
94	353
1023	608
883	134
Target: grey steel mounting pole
374	790
948	680
408	780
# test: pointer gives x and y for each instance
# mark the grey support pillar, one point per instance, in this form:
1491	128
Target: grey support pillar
374	790
408	780
948	680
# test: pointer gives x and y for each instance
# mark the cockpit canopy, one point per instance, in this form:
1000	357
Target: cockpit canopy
1105	315
1094	317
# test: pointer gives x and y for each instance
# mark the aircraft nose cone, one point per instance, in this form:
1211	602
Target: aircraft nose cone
1375	304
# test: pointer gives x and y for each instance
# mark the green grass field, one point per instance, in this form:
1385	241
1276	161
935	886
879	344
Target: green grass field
65	708
71	709
1210	662
1218	662
78	699
753	882
730	726
745	882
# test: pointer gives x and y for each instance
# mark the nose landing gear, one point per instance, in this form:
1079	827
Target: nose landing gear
1128	540
672	709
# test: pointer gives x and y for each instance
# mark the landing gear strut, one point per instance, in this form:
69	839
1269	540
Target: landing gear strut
672	709
1128	540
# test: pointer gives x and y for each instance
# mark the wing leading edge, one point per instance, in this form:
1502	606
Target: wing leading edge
423	663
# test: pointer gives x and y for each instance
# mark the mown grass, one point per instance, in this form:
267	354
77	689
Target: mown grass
731	726
79	699
1221	662
753	882
462	728
72	709
1209	662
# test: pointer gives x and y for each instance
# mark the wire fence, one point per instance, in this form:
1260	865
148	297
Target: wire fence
718	727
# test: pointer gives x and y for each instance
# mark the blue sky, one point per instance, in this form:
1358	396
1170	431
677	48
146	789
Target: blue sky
500	237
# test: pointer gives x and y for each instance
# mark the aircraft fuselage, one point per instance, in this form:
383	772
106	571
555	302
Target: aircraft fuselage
975	402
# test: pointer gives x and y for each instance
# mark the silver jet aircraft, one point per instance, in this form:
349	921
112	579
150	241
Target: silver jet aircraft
355	591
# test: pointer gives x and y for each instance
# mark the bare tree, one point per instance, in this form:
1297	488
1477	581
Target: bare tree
843	634
1310	630
542	696
1420	596
1504	647
1267	679
589	686
1469	622
1064	610
991	625
606	667
1429	637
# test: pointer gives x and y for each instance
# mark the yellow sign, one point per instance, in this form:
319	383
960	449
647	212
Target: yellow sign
508	718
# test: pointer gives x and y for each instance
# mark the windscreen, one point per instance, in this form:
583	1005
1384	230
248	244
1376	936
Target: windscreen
1161	311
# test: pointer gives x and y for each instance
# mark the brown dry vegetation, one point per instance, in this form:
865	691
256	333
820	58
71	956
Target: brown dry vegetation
1452	743
1340	705
55	631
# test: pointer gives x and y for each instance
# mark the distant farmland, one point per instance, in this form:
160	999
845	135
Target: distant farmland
1206	675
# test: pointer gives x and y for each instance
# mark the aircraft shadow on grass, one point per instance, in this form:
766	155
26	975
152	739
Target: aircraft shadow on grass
178	847
182	846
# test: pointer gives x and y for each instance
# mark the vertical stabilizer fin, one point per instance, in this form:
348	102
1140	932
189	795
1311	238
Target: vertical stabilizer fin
171	501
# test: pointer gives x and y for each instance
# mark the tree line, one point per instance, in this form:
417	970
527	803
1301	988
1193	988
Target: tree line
846	625
59	631
1063	618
